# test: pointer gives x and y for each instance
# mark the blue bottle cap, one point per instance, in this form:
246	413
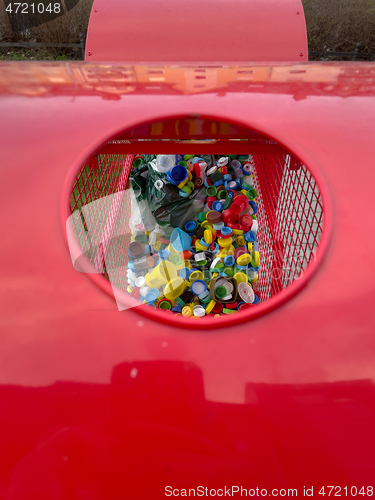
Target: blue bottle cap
241	268
227	177
131	266
202	242
150	297
163	254
219	183
229	260
191	226
256	299
177	174
195	159
254	206
217	206
216	247
185	273
250	237
198	287
226	231
177	308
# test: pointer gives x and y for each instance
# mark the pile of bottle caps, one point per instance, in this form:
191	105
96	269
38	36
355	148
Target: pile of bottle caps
210	265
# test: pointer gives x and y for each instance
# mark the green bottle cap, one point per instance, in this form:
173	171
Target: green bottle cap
220	292
202	217
180	301
142	238
229	271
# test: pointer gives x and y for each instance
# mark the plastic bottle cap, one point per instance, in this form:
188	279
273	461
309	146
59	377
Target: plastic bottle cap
220	292
246	292
199	311
187	296
244	259
195	275
150	297
198	287
224	242
140	281
223	161
240	277
217	308
205	297
164	304
211	191
217	206
229	260
211	170
191	226
187	311
175	259
210	306
185	273
135	249
199	256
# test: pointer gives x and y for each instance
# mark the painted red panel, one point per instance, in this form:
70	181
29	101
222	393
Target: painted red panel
102	404
169	30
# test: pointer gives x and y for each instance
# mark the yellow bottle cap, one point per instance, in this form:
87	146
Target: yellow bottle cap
210	306
196	275
240	277
157	245
244	259
255	259
240	240
208	236
199	245
182	184
224	242
237	231
250	247
187	311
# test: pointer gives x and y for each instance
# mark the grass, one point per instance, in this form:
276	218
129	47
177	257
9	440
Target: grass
39	54
340	25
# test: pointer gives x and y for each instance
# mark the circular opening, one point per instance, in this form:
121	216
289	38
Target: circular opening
219	237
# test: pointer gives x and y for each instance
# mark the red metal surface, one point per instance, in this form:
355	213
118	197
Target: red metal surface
260	30
97	403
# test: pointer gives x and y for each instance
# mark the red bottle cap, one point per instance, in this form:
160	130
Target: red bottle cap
239	251
246	221
231	305
218	308
229	216
233	225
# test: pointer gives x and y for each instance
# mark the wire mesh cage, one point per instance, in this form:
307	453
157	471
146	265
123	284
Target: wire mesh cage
290	216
